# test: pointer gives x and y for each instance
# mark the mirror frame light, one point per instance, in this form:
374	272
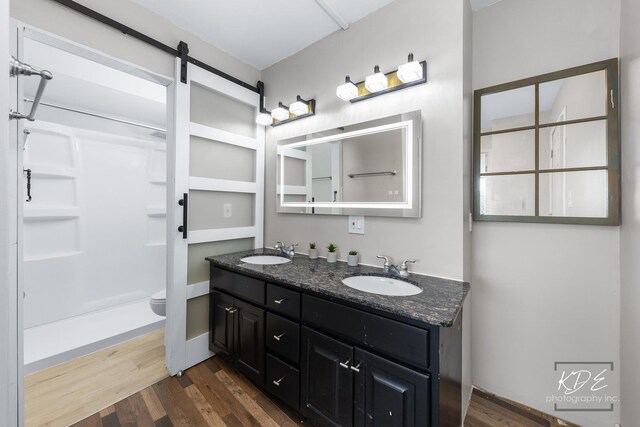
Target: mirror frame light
411	208
613	145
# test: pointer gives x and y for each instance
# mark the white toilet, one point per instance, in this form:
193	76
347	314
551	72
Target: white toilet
158	303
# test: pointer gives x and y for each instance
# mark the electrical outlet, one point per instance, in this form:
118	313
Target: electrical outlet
356	225
228	213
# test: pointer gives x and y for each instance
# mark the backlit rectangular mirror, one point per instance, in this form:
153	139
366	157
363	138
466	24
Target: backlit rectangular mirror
371	168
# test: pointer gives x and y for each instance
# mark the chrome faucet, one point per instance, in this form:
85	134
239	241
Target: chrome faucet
387	262
394	270
284	250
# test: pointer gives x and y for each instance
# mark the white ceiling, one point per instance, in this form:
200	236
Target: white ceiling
481	4
260	32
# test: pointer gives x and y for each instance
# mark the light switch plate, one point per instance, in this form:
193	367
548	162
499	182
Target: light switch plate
356	225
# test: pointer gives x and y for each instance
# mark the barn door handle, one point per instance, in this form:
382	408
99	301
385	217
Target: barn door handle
184	202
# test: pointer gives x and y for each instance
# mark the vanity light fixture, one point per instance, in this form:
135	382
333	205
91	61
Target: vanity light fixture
348	90
409	74
264	118
411	71
300	107
376	81
282	114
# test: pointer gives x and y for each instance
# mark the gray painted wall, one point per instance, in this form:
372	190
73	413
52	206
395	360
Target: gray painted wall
630	232
543	293
432	30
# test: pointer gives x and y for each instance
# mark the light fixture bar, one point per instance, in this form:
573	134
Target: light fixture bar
312	112
265	117
394	84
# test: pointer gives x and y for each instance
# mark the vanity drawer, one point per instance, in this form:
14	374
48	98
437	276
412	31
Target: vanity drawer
244	287
283	301
283	337
397	340
283	381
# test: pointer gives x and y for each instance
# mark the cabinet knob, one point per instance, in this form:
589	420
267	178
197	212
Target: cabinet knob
231	309
279	301
277	382
278	337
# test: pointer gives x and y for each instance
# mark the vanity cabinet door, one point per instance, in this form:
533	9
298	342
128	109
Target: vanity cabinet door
222	324
326	394
249	341
389	395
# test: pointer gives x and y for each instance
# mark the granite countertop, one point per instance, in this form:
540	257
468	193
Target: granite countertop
438	304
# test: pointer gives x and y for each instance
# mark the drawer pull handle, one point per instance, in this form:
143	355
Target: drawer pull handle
356	368
231	309
345	365
278	337
277	383
279	301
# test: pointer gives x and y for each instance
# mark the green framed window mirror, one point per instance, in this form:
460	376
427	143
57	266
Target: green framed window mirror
547	148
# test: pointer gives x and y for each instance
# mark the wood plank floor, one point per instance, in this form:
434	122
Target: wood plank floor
487	410
208	394
213	394
66	393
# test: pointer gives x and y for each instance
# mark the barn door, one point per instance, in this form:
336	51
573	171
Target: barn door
216	185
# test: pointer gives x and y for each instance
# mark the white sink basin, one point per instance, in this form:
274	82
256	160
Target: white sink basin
382	285
265	260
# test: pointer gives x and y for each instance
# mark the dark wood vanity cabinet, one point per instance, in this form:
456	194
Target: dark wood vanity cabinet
346	386
327	380
222	322
237	334
336	364
388	394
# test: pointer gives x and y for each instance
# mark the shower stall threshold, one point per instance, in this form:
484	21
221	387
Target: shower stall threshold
57	342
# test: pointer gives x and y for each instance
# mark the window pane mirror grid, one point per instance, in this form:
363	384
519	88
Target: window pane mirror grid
576	146
507	110
574	194
509	195
574	98
508	152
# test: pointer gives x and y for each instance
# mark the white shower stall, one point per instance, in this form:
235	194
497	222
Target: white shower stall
95	228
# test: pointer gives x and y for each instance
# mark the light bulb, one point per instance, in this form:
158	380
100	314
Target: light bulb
376	82
299	107
264	118
411	71
280	113
347	91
